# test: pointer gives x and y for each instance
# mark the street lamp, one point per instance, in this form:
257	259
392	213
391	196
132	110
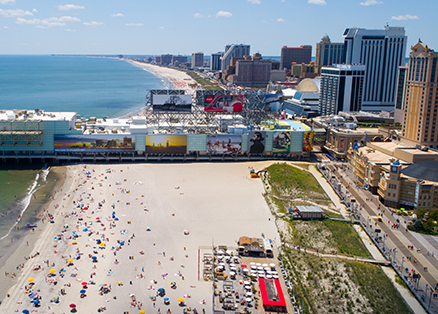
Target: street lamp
425	294
403	258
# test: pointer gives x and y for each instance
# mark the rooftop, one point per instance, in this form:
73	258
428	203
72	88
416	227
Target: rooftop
35	115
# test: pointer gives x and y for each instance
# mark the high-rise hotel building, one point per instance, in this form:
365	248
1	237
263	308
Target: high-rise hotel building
421	99
328	53
236	51
382	52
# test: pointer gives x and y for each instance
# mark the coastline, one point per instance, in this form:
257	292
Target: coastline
178	79
25	240
154	205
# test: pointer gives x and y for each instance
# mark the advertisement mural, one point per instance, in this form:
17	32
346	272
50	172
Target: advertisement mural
281	142
308	141
223	103
172	102
94	143
219	144
256	142
166	144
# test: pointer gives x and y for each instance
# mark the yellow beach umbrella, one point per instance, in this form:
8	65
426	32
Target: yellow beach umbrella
70	260
52	271
142	312
102	244
181	300
30	280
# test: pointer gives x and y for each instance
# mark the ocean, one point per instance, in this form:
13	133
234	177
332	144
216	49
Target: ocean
91	86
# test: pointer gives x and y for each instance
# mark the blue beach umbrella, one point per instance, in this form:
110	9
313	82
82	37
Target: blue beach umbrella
82	291
166	299
93	257
25	312
161	290
85	229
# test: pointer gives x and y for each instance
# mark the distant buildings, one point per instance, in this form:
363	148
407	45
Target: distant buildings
179	59
197	60
253	71
421	98
302	54
341	89
382	52
216	61
235	50
328	53
166	59
303	70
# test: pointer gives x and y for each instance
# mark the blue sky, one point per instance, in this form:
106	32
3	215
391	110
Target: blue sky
171	26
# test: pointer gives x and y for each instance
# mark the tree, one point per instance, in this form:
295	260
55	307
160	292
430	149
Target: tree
421	212
418	225
434	214
429	225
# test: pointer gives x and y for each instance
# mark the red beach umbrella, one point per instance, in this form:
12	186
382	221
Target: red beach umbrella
84	283
72	305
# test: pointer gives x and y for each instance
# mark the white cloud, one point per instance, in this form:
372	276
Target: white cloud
47	23
161	27
6	1
30	22
255	1
280	20
14	13
5	27
223	14
318	2
197	15
35	10
117	15
371	2
405	17
94	23
67	7
134	24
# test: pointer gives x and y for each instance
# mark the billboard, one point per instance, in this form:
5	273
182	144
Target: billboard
218	144
308	141
223	103
94	143
172	102
166	144
256	142
281	142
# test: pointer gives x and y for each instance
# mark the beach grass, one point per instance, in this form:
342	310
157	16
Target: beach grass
206	84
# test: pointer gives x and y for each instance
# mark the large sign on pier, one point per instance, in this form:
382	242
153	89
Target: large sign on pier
173	103
224	144
223	103
94	143
166	144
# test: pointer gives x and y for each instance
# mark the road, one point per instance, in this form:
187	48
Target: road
398	236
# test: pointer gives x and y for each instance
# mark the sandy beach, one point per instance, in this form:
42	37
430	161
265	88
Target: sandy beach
178	79
139	212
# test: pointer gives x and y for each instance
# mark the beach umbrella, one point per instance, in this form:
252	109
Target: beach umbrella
85	229
186	310
70	261
142	312
161	290
30	280
102	244
84	283
82	291
94	257
181	300
52	271
25	312
72	305
166	299
36	302
173	283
